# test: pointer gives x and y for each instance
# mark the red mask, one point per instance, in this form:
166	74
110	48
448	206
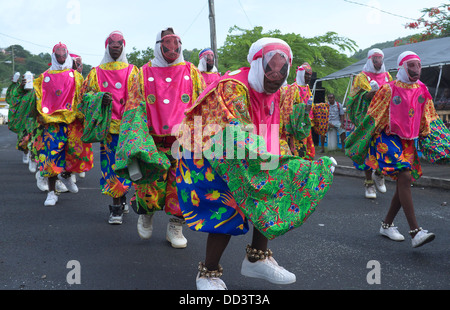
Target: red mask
275	64
170	47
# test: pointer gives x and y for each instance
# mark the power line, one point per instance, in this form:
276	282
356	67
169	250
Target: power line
245	13
195	19
46	47
375	8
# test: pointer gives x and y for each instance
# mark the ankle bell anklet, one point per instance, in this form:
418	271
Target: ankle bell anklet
256	254
386	226
415	231
204	272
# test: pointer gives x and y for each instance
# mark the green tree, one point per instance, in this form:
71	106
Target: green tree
434	23
140	58
324	53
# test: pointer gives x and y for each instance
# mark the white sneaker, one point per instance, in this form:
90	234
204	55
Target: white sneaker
422	237
175	236
392	233
267	269
72	187
25	158
379	182
51	200
60	187
73	178
32	166
145	226
370	191
41	182
115	215
209	283
82	175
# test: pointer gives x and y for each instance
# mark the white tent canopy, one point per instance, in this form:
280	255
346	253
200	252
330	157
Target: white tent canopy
433	53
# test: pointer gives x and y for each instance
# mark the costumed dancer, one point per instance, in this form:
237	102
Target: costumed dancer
236	166
305	148
58	94
106	90
14	94
207	67
364	87
401	111
169	85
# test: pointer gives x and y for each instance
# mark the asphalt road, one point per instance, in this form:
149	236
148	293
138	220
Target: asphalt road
338	248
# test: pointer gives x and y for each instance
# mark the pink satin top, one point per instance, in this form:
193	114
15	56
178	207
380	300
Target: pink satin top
264	113
406	110
116	83
168	94
58	91
210	77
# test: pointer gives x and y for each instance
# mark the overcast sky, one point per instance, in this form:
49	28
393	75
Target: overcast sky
83	25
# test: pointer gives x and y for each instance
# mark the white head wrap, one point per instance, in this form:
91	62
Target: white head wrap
300	77
68	64
256	72
202	65
369	67
159	60
107	57
402	75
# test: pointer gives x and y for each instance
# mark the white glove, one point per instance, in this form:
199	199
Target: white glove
374	85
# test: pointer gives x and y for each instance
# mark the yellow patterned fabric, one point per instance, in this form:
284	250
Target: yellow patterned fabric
66	117
379	108
360	82
91	85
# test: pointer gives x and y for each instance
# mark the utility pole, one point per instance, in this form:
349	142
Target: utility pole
212	27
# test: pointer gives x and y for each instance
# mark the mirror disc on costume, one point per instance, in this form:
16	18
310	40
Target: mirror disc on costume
105	84
118	85
272	108
187	77
168	80
151	99
71	74
165	127
166	101
185	98
45	110
234	72
397	100
411	113
421	99
47	79
58	92
151	79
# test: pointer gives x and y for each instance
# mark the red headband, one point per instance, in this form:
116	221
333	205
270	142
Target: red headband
376	54
273	47
116	36
408	58
59	45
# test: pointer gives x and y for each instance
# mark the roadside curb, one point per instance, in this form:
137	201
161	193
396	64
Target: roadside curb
422	181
